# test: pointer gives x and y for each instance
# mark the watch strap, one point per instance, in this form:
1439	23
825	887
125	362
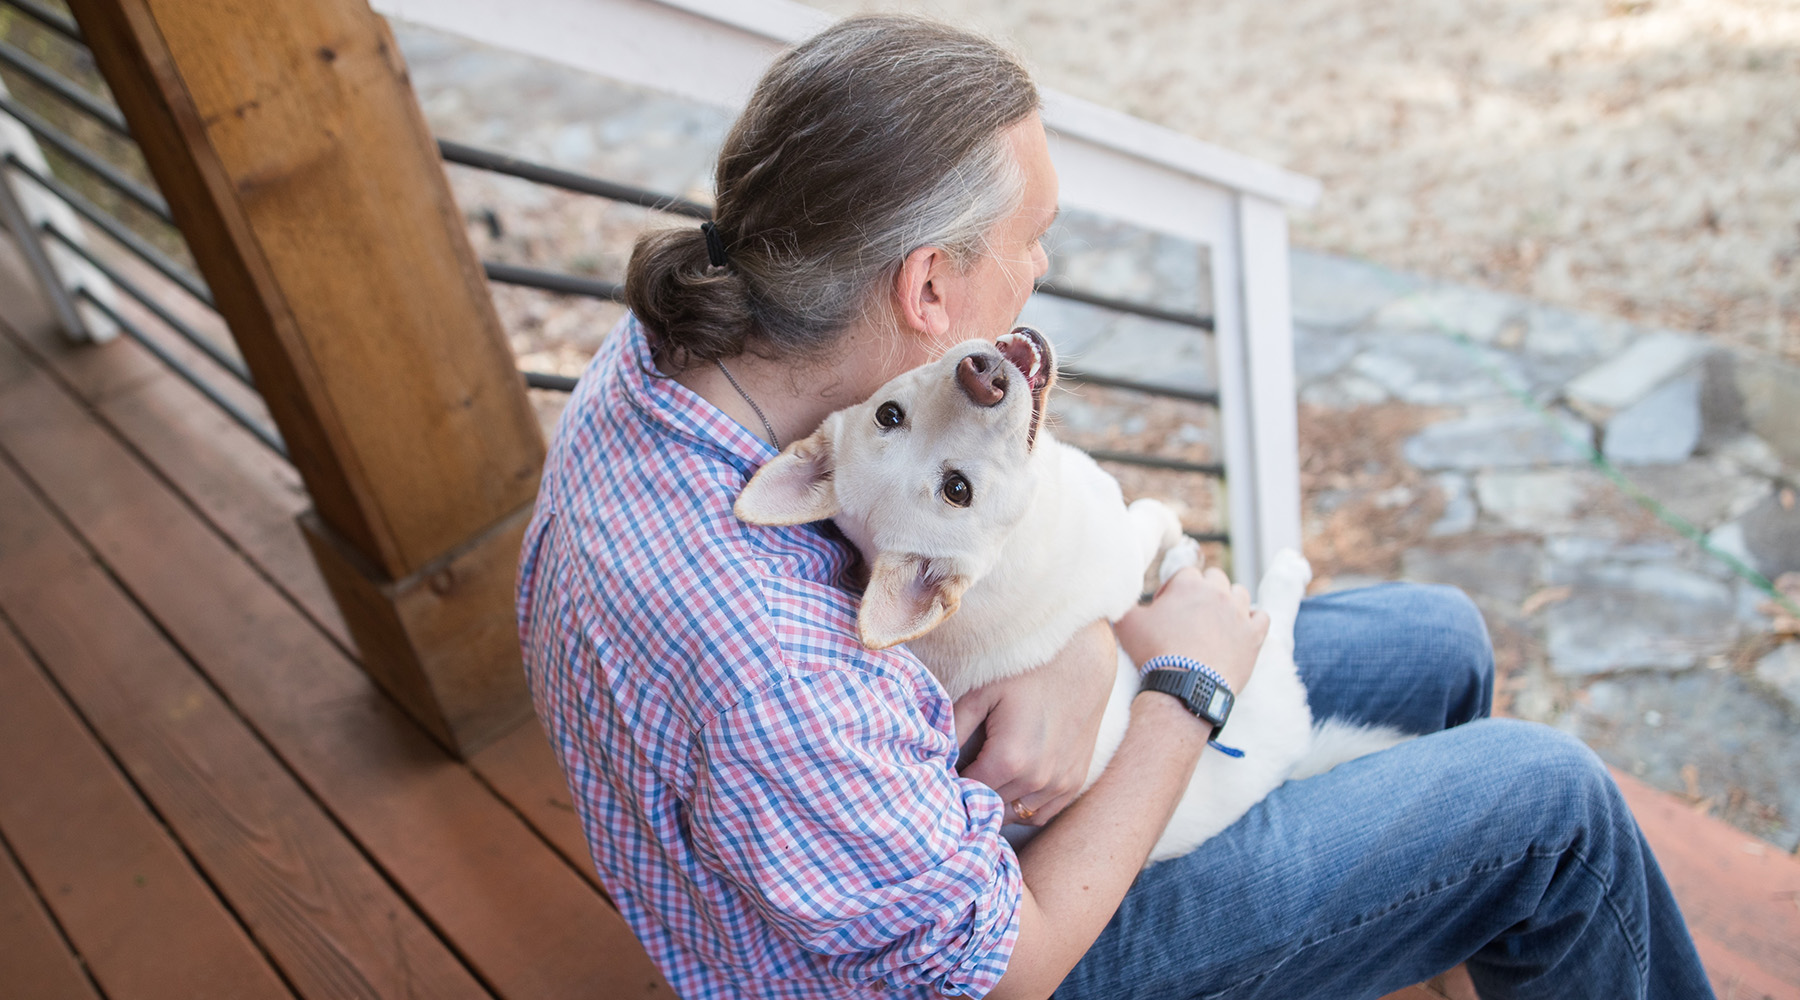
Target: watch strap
1198	687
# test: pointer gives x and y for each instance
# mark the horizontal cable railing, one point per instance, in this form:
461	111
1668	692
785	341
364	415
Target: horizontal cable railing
188	333
115	178
512	166
1126	306
266	435
139	247
461	154
54	82
552	281
546	380
50	18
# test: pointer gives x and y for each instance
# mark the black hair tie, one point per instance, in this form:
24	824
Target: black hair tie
715	245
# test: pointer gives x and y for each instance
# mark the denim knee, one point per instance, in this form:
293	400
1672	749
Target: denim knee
1564	782
1412	656
1438	628
1452	629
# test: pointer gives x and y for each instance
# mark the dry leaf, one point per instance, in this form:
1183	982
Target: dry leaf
1690	778
1784	625
1543	599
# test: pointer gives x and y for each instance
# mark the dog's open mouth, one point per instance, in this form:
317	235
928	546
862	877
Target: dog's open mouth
1028	351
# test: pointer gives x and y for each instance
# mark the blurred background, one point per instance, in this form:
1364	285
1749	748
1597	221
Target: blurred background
1639	158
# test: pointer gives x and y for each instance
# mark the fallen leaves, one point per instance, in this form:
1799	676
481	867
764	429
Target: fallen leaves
1786	624
1364	504
1543	599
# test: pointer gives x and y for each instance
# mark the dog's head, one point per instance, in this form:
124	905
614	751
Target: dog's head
928	478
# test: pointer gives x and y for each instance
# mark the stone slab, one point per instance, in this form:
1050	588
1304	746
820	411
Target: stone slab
1750	454
1771	398
1544	501
1329	290
1122	261
1629	376
1553	332
1643	616
1780	669
1497	574
1322	350
1154	352
1074	327
1502	437
1343	391
1659	429
1459	505
1431	369
1706	492
1575	551
1739	748
1451	309
1771	534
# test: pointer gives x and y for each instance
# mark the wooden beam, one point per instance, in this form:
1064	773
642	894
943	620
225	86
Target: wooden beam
295	158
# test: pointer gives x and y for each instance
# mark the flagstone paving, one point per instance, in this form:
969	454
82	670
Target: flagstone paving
1448	435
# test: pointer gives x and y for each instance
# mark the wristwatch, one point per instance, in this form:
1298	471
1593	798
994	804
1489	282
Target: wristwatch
1195	684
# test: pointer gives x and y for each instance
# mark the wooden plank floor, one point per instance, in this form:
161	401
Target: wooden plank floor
274	825
202	795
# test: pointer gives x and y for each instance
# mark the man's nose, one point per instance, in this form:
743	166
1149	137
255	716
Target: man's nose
983	379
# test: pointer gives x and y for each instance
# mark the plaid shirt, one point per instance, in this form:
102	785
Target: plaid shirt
773	807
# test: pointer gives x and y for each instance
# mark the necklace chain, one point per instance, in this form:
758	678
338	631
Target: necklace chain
759	413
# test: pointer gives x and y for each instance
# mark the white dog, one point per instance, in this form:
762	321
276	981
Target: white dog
990	544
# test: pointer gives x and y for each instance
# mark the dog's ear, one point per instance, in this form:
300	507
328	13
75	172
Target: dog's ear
907	597
794	487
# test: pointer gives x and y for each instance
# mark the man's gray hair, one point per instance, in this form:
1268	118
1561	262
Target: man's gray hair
875	137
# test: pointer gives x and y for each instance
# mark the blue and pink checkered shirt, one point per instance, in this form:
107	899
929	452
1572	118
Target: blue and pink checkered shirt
773	807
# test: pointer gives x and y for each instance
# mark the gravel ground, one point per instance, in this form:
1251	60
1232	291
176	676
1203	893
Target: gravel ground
1633	157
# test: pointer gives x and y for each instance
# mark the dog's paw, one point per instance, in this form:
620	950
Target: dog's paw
1183	553
1284	585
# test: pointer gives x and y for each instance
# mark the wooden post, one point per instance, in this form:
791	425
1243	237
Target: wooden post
295	158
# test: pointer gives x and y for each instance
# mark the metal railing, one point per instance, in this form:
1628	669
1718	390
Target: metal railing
452	152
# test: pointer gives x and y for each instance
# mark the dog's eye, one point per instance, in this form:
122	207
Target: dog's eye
957	491
889	414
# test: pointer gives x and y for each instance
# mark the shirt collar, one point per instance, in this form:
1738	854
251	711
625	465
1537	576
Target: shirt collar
678	409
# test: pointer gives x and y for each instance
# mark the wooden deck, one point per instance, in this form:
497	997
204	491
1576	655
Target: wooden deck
201	795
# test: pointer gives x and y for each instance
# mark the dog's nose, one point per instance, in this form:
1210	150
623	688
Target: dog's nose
982	378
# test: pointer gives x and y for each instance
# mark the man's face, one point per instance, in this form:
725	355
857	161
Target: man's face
984	299
999	282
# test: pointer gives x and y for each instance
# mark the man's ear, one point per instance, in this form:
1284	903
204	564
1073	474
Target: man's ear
907	597
794	487
919	290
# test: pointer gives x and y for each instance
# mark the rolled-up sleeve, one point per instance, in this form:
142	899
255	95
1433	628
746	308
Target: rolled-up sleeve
832	803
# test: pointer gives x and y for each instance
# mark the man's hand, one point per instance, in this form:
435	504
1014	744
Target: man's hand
1202	616
1041	726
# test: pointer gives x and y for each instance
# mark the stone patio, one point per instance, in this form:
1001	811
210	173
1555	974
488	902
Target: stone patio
1447	436
1612	619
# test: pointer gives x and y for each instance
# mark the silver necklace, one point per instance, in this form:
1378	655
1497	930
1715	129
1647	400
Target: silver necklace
759	413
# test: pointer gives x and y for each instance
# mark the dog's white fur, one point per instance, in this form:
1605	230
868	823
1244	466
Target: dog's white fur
1046	547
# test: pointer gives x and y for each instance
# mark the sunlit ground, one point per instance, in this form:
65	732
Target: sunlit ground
1640	159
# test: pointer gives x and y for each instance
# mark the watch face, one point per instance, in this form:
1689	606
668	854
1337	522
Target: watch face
1215	706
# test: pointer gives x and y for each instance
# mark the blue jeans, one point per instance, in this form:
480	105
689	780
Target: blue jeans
1501	844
